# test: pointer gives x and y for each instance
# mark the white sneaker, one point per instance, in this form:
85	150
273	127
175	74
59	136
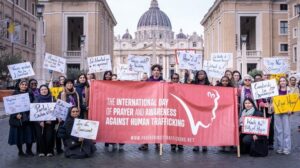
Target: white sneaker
49	155
41	155
279	151
286	152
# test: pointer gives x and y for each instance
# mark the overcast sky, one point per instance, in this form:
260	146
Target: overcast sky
185	14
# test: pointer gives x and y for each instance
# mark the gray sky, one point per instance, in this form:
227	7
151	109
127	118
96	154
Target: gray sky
185	14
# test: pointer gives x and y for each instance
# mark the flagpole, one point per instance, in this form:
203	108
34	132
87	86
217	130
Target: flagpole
13	22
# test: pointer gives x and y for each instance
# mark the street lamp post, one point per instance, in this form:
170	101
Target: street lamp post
298	39
40	45
82	46
244	54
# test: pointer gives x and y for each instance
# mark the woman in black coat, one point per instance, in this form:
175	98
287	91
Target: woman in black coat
45	129
248	141
76	148
21	129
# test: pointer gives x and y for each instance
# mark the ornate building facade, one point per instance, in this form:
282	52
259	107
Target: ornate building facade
155	38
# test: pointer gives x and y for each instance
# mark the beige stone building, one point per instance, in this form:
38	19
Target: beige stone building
265	22
293	33
22	13
155	38
65	22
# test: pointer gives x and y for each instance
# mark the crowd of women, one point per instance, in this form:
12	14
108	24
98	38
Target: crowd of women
50	135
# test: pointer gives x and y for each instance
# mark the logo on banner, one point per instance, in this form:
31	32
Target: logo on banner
195	126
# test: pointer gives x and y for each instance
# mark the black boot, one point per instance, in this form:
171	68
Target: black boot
28	150
21	153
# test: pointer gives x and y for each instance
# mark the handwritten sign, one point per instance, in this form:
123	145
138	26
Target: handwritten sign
99	64
214	69
125	74
55	63
286	103
139	63
21	70
276	65
256	126
190	61
16	103
264	89
42	112
86	129
226	58
61	109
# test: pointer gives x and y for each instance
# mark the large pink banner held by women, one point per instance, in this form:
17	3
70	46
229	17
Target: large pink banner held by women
168	113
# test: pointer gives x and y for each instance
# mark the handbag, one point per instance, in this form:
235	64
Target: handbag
259	148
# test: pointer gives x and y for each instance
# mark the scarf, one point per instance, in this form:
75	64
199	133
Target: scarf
70	94
246	113
44	98
83	92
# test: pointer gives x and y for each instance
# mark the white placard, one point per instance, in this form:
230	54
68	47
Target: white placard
86	129
264	89
256	125
125	74
99	63
276	65
61	109
190	61
16	103
139	63
42	112
226	58
55	63
21	70
214	69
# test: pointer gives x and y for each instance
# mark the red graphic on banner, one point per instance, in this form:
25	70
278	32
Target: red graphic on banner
167	113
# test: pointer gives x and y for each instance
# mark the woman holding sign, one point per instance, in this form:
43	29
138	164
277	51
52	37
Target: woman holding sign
45	129
21	129
256	145
76	148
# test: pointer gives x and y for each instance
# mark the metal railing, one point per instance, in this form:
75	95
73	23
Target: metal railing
72	53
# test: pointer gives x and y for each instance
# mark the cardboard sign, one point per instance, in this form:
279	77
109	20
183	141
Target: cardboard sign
286	103
21	70
190	61
139	63
125	74
86	129
256	126
226	58
276	65
42	112
61	109
264	89
99	63
55	63
214	69
16	103
277	76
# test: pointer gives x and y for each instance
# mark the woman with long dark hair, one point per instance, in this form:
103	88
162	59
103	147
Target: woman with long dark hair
21	129
82	88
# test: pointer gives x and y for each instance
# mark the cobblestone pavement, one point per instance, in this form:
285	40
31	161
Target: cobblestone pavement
133	158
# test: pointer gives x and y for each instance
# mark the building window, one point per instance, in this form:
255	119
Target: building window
145	45
295	54
33	41
194	44
25	37
160	45
33	9
284	48
283	27
7	32
296	10
283	7
25	6
295	32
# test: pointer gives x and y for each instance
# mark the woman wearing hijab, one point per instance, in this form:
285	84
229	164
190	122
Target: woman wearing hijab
21	129
45	129
76	148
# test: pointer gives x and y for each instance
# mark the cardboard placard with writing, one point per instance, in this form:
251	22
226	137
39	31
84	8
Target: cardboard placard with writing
190	61
16	103
61	109
86	129
55	63
214	69
286	103
226	58
42	112
264	89
125	74
256	126
99	63
139	63
276	65
21	70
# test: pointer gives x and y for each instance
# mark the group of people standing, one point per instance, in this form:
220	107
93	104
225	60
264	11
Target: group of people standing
52	134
